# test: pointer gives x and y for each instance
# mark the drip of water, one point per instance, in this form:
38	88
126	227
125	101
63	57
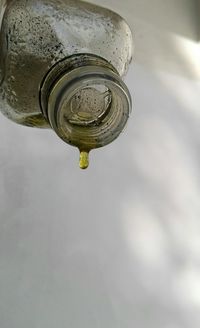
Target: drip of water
84	160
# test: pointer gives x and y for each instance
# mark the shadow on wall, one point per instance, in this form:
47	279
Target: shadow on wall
198	10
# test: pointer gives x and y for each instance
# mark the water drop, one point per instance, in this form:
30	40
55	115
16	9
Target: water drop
84	160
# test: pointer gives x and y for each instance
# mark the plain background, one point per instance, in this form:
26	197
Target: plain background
118	245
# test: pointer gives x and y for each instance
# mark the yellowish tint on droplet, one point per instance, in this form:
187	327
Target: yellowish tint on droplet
84	160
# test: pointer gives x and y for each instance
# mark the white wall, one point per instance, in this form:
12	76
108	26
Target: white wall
118	245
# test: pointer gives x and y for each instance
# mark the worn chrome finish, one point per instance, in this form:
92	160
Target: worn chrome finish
61	66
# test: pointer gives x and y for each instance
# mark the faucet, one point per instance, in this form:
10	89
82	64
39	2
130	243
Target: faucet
62	64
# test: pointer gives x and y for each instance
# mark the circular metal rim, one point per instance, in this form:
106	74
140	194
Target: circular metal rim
78	78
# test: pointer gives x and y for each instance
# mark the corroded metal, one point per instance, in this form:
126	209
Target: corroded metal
61	66
37	34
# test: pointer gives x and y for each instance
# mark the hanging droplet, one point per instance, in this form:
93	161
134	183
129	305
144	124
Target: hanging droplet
84	160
